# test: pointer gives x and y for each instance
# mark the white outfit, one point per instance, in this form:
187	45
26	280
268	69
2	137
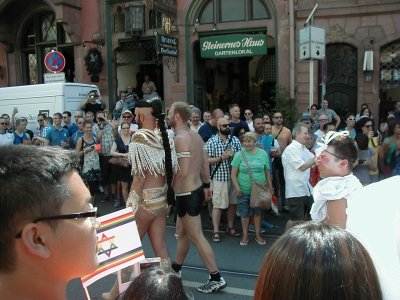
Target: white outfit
373	216
6	139
297	181
251	127
332	188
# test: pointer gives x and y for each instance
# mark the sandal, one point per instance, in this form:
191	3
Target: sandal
232	232
244	242
261	242
216	238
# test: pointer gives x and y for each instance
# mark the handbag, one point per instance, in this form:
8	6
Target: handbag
119	162
260	195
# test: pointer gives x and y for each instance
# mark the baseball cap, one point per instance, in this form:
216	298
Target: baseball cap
306	118
127	112
100	115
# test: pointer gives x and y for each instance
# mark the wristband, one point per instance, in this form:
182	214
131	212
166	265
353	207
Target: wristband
206	185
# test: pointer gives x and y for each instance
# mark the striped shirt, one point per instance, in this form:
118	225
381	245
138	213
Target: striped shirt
215	147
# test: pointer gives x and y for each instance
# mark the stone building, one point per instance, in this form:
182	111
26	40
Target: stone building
164	39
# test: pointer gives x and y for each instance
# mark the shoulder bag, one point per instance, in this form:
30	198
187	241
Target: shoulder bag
260	195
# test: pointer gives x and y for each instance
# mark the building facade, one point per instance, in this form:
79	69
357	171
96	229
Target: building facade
362	54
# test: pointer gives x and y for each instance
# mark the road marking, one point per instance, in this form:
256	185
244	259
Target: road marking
229	290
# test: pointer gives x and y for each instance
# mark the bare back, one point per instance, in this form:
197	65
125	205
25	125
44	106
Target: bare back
191	169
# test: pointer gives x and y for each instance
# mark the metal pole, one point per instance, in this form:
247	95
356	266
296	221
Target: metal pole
311	83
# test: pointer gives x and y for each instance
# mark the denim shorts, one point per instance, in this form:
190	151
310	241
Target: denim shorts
243	209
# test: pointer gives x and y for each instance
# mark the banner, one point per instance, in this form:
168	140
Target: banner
118	245
234	45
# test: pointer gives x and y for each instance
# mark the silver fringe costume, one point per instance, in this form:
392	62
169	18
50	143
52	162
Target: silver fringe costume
146	154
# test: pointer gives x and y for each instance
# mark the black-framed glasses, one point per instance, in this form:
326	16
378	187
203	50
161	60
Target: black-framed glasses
333	154
75	216
224	125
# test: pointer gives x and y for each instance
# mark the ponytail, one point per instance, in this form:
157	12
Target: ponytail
168	159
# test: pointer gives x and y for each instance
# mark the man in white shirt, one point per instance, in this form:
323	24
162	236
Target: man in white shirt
297	161
6	138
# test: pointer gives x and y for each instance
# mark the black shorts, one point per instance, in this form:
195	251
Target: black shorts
298	206
190	204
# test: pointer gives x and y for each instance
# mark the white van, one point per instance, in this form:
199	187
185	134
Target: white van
47	98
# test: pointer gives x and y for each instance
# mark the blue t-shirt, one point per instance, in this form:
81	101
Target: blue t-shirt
20	139
56	136
207	131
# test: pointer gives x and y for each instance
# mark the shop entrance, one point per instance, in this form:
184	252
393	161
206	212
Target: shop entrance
247	81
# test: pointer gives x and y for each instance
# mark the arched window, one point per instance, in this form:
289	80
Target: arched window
41	35
218	11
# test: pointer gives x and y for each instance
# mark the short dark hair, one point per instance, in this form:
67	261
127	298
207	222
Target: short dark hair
325	126
42	115
30	188
68	113
345	148
58	115
49	120
156	284
317	261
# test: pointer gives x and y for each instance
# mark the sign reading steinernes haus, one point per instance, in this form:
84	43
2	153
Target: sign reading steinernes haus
234	45
167	46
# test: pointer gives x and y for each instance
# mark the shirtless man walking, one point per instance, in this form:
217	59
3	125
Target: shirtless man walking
190	184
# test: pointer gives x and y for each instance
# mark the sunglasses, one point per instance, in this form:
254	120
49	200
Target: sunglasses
3	123
126	117
224	125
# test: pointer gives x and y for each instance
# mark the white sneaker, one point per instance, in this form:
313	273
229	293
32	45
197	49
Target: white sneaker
212	286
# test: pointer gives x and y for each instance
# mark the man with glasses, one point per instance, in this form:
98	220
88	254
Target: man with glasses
127	116
322	120
6	138
43	224
57	135
39	134
220	150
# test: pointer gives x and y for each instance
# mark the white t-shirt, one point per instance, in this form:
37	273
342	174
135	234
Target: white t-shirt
6	139
332	188
297	182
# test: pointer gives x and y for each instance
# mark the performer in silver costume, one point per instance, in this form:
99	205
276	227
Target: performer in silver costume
154	162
